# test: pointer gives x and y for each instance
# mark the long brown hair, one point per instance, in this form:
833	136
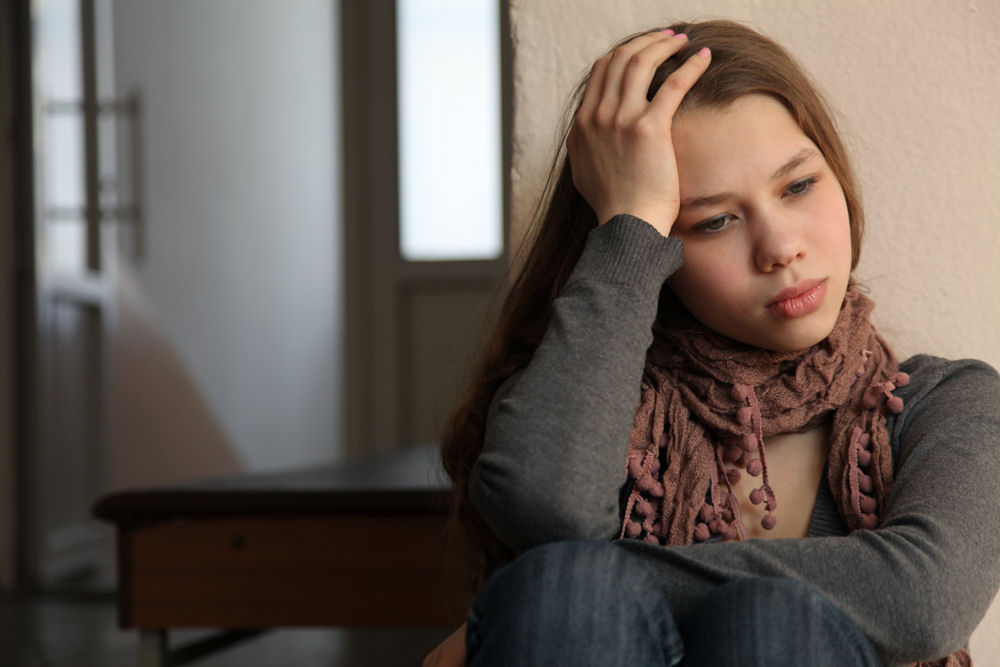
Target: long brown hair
744	62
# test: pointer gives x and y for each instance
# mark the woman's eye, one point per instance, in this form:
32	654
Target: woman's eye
801	187
716	224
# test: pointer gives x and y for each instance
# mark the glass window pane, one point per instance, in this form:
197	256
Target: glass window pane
59	164
64	243
56	25
448	74
61	160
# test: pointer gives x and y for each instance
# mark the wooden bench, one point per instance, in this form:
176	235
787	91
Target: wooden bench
354	544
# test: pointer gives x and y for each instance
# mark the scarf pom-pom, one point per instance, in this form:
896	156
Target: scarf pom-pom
645	481
644	507
868	504
740	392
755	468
769	522
895	405
707	513
869	521
902	379
634	466
632	529
701	532
757	496
749	442
864	482
864	457
743	415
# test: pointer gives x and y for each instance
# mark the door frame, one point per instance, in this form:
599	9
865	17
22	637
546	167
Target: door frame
378	282
17	282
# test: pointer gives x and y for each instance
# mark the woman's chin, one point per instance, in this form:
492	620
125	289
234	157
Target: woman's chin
789	337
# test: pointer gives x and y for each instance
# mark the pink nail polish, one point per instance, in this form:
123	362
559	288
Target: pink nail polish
668	31
705	52
681	36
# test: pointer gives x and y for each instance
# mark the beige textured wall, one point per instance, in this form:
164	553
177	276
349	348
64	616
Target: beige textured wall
915	83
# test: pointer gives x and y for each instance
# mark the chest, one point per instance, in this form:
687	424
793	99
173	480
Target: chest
795	463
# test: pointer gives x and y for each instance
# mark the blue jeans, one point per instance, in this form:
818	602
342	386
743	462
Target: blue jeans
592	603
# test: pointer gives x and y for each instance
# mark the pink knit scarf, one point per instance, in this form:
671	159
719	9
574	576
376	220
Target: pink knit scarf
707	400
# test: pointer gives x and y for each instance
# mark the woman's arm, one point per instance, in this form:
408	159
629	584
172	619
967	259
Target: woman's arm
558	432
920	583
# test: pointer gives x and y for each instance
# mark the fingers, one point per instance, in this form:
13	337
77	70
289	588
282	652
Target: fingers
619	81
641	67
604	87
625	59
595	88
677	85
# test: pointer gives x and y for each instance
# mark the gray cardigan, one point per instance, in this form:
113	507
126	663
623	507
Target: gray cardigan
557	435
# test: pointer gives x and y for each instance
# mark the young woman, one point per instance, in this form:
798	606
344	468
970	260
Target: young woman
686	438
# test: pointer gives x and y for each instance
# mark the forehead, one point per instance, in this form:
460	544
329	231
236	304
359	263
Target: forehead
736	144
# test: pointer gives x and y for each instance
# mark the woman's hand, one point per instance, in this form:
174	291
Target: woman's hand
450	652
620	147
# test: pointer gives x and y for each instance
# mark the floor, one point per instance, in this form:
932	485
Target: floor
73	629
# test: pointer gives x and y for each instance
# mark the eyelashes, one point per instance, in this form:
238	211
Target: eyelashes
801	186
715	225
720	223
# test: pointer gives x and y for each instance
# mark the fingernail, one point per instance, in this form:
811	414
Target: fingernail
681	36
705	53
668	31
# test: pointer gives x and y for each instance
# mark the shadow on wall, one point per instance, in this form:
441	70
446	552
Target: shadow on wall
162	431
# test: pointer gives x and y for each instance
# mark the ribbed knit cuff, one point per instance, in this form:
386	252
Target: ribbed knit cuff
629	251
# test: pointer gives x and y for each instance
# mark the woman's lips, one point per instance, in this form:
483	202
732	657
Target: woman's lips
799	300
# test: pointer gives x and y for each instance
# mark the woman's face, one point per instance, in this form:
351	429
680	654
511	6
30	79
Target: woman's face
767	241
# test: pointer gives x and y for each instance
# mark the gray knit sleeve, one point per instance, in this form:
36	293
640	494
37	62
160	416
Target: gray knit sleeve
920	583
557	432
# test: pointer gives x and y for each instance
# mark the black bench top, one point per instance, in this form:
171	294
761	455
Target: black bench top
411	481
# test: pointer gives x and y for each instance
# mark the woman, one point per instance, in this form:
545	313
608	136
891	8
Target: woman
685	367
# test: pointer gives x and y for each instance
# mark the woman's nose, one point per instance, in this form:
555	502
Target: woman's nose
779	241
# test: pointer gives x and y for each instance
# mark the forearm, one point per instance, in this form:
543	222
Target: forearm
557	434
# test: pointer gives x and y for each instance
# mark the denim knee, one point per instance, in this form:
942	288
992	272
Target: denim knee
572	603
569	577
773	621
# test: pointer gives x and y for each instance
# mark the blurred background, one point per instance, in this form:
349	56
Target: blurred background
239	236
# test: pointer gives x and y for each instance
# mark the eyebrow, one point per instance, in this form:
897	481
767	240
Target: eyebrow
793	163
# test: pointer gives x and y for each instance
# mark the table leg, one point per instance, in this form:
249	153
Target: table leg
152	648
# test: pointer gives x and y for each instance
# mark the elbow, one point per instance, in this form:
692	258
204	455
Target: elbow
930	640
936	603
525	515
918	634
